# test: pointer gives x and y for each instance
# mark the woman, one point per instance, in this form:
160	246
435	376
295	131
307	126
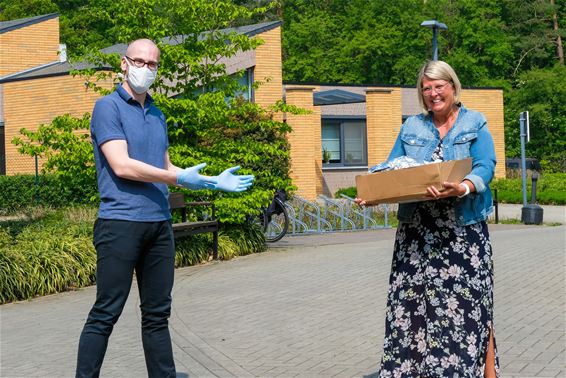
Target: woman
439	320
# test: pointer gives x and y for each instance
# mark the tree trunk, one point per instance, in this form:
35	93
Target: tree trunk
559	47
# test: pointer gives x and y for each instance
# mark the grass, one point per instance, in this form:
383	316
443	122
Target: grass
550	189
46	251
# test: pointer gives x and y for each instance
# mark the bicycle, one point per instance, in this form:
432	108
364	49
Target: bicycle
274	220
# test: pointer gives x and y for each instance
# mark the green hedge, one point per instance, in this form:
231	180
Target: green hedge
551	189
351	192
20	192
50	251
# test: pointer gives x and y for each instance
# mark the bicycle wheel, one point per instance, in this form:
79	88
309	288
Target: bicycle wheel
260	220
278	223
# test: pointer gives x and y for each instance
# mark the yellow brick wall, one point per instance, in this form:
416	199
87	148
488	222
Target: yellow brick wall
30	103
268	68
29	46
383	112
490	103
317	144
383	121
305	141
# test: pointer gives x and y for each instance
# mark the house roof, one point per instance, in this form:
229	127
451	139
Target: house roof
336	97
353	105
63	68
6	26
347	101
249	30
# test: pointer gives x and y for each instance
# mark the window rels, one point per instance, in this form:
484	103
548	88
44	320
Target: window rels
344	143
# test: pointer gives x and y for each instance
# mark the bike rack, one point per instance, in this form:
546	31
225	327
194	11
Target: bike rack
294	221
329	205
332	215
310	215
366	214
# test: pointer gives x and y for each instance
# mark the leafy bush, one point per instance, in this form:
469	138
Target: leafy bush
551	189
66	145
46	253
50	251
351	192
20	193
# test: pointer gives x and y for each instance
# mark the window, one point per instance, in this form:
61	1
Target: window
344	143
244	82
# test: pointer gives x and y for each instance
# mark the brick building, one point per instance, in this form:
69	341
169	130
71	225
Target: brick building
356	125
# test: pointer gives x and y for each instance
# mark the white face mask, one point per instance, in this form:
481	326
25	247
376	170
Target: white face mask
140	78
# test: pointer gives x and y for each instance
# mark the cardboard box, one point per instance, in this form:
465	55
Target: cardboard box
409	184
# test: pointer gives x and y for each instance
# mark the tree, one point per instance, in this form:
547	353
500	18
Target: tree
542	93
383	43
212	126
533	26
12	10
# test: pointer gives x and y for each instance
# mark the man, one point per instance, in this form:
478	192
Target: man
133	230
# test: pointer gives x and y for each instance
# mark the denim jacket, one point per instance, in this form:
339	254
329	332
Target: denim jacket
468	137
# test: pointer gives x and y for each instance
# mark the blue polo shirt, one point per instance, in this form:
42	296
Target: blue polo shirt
118	116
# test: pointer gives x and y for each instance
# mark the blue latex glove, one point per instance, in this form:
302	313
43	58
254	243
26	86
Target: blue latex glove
229	182
190	178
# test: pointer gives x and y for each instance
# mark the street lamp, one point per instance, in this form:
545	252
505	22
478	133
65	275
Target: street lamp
435	25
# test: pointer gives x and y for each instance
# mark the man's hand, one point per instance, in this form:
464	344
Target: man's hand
229	182
190	178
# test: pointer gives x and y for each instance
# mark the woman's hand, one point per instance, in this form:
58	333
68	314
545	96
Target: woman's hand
451	189
359	201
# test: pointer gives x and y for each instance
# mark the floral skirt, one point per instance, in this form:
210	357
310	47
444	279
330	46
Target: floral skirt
440	302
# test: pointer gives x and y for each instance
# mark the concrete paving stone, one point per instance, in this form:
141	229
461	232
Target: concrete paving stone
533	368
517	350
545	357
559	360
532	353
555	334
305	308
548	372
309	364
504	347
514	368
318	369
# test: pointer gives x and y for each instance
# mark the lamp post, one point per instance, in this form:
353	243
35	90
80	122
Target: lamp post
434	25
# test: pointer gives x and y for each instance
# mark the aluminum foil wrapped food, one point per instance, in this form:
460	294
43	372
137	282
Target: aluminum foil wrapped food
397	163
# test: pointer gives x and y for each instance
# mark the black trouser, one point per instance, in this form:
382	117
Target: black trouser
121	247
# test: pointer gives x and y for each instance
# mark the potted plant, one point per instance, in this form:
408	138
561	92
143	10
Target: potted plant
325	156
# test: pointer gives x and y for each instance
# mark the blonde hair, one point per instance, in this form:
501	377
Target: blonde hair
437	70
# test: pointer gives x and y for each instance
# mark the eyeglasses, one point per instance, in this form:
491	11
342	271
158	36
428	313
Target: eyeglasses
439	89
140	63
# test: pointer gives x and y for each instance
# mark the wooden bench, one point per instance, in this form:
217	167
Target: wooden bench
186	228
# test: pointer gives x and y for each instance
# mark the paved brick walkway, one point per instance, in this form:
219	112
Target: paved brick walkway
313	306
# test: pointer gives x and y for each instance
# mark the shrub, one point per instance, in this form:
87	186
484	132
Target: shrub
20	192
351	192
45	254
50	251
551	189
